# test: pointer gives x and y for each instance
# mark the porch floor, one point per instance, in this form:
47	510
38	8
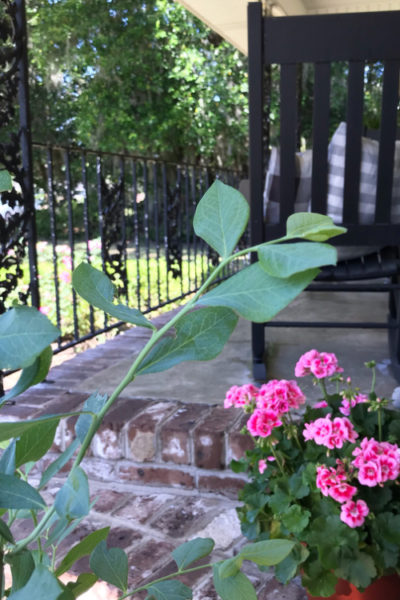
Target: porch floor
159	464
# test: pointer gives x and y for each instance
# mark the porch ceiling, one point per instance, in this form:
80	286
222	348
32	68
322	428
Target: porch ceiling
229	17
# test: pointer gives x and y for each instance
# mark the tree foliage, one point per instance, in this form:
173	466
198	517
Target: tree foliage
145	77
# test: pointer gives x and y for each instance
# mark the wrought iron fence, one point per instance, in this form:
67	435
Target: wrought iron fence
131	217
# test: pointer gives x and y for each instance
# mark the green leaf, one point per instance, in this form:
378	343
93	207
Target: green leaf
24	334
58	464
93	404
287	568
237	587
284	260
72	500
279	501
296	518
84	582
83	548
7	460
359	571
5	181
5	532
221	217
97	289
34	443
268	552
15	493
297	487
255	295
319	582
187	553
22	566
312	226
169	590
230	567
13	429
111	565
31	375
41	584
200	335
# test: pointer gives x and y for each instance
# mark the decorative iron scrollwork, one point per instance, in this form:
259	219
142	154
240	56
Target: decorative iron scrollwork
13	216
113	235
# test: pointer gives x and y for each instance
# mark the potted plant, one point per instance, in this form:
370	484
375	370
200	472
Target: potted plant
326	477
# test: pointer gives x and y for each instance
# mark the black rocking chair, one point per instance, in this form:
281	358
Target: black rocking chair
321	40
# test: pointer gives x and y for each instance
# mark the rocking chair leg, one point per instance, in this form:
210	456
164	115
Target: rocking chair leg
394	330
258	347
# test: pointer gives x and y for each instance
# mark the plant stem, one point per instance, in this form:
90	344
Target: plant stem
323	388
165	578
380	423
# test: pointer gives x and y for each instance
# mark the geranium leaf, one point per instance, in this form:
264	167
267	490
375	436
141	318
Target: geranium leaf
318	581
221	217
360	571
200	335
24	334
41	584
169	590
110	564
187	553
35	442
96	288
267	552
255	295
31	375
15	493
236	587
83	548
72	500
284	260
312	226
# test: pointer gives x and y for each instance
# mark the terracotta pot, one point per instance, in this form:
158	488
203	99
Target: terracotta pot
385	588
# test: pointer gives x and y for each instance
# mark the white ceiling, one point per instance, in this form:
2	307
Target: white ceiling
229	17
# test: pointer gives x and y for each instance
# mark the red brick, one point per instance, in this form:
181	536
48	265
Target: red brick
108	441
145	559
238	442
143	508
182	514
175	433
142	431
100	470
155	475
108	500
209	438
223	484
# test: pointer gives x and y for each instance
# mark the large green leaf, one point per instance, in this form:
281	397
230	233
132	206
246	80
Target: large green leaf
200	335
15	493
24	334
83	548
41	584
84	582
221	217
5	532
110	564
257	296
169	590
58	464
34	443
267	552
5	181
31	375
284	260
22	566
187	553
93	404
13	429
72	500
237	587
312	226
96	288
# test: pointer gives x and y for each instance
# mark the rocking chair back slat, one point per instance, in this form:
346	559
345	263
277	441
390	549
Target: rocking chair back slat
288	139
319	184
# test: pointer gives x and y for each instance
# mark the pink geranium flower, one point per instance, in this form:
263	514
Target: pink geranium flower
262	422
342	491
354	513
240	395
319	364
262	465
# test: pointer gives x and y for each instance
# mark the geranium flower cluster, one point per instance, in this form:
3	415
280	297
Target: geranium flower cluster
319	364
331	434
268	403
376	462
